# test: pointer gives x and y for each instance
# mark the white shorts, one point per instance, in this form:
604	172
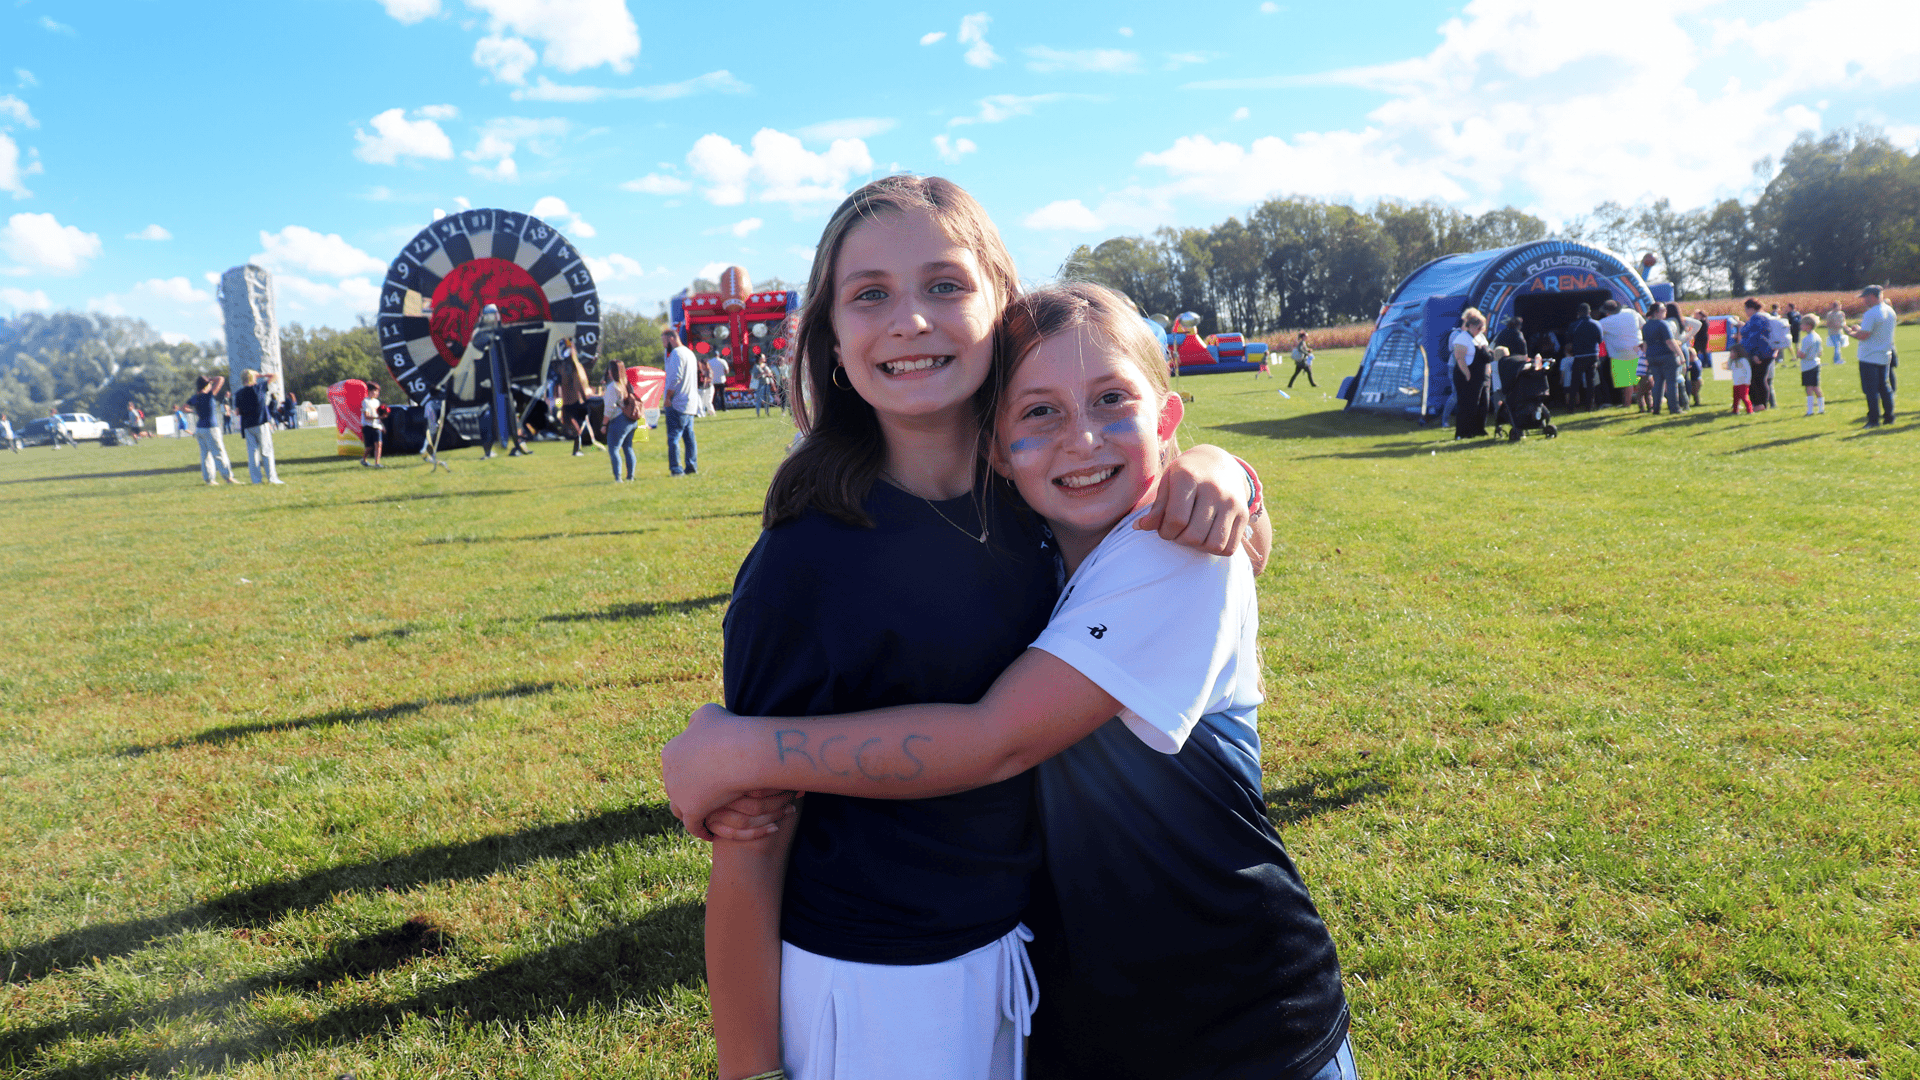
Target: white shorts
962	1019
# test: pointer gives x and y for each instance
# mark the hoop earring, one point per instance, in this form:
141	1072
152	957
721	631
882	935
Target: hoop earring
833	377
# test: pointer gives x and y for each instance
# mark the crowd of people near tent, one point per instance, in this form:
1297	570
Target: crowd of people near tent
1670	351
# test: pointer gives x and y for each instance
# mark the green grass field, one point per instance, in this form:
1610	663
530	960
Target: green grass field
1598	753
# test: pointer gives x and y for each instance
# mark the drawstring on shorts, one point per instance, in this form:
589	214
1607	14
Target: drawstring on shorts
1020	990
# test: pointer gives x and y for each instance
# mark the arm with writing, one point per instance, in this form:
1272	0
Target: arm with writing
1038	707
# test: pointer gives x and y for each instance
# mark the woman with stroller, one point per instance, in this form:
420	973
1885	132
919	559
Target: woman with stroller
1471	359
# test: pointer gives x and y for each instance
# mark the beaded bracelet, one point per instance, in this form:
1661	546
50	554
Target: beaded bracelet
770	1074
1256	501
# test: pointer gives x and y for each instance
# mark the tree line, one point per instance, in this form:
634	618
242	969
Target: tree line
1839	212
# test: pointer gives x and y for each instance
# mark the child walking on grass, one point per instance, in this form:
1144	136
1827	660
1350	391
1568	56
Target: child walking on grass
1742	370
1172	935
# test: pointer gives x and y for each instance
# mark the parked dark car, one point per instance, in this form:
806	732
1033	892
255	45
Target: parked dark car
36	432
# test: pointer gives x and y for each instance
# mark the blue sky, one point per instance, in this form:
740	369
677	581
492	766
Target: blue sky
145	147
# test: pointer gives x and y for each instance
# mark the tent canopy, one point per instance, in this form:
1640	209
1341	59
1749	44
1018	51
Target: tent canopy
1404	372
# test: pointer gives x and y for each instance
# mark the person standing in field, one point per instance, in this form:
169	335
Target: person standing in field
1793	325
1620	328
1809	350
1661	337
1583	339
252	405
213	449
6	433
1836	321
1302	361
1756	336
682	401
373	428
1875	335
1472	361
1742	371
620	429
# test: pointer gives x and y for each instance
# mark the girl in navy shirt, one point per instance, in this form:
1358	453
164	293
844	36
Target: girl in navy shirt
1174	936
892	570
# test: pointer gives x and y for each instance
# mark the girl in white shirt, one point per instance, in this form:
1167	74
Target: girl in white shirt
1810	364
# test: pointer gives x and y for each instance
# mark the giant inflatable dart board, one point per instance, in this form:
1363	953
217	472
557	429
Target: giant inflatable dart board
437	286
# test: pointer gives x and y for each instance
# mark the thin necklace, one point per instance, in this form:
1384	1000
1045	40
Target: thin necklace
895	481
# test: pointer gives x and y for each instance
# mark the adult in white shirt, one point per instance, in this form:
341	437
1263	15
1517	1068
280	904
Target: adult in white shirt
720	371
1836	321
682	399
1467	347
1620	329
1875	335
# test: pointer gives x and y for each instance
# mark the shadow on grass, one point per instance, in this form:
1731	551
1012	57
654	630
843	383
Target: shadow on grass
1326	424
634	960
1774	444
260	906
1323	791
129	473
1439	444
1666	422
424	495
645	610
233	732
433	541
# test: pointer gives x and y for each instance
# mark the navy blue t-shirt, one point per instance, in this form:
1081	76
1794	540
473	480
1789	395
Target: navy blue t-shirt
830	618
250	402
202	404
1173	937
1584	337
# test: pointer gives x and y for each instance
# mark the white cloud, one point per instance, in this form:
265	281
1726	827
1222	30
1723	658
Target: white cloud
462	202
712	270
953	149
328	303
744	227
779	168
1126	31
396	137
553	210
25	77
161	300
929	39
411	11
1176	61
997	107
47	23
439	112
1043	59
578	34
1066	215
656	184
177	290
857	127
973	33
12	174
23	300
151	232
11	106
1270	8
1464	124
297	248
1241	113
507	58
37	242
501	138
615	267
716	82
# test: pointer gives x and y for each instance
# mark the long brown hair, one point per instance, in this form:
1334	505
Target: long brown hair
835	466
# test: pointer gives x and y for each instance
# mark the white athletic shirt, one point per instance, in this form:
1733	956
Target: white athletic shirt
1621	332
1877	346
1170	632
1461	337
1809	351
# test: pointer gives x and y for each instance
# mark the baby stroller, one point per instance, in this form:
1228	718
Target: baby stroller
1526	384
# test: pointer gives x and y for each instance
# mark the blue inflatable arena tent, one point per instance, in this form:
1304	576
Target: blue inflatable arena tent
1404	372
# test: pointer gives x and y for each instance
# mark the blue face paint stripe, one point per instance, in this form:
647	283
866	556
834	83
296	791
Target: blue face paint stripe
1117	427
1019	445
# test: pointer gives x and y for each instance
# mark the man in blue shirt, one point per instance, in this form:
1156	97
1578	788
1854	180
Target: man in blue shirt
213	450
256	424
1755	342
683	374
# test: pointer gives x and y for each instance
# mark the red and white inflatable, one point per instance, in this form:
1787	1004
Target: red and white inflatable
734	288
346	398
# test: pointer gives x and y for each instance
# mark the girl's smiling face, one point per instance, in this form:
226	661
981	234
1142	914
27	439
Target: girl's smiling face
914	317
1082	433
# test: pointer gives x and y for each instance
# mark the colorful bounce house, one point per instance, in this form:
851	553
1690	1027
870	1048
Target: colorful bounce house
1404	372
1218	354
741	325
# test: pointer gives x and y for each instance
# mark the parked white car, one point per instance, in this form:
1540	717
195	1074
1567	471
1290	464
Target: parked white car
79	425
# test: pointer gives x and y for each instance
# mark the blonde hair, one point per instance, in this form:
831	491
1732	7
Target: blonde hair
835	467
1057	309
1473	317
247	377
